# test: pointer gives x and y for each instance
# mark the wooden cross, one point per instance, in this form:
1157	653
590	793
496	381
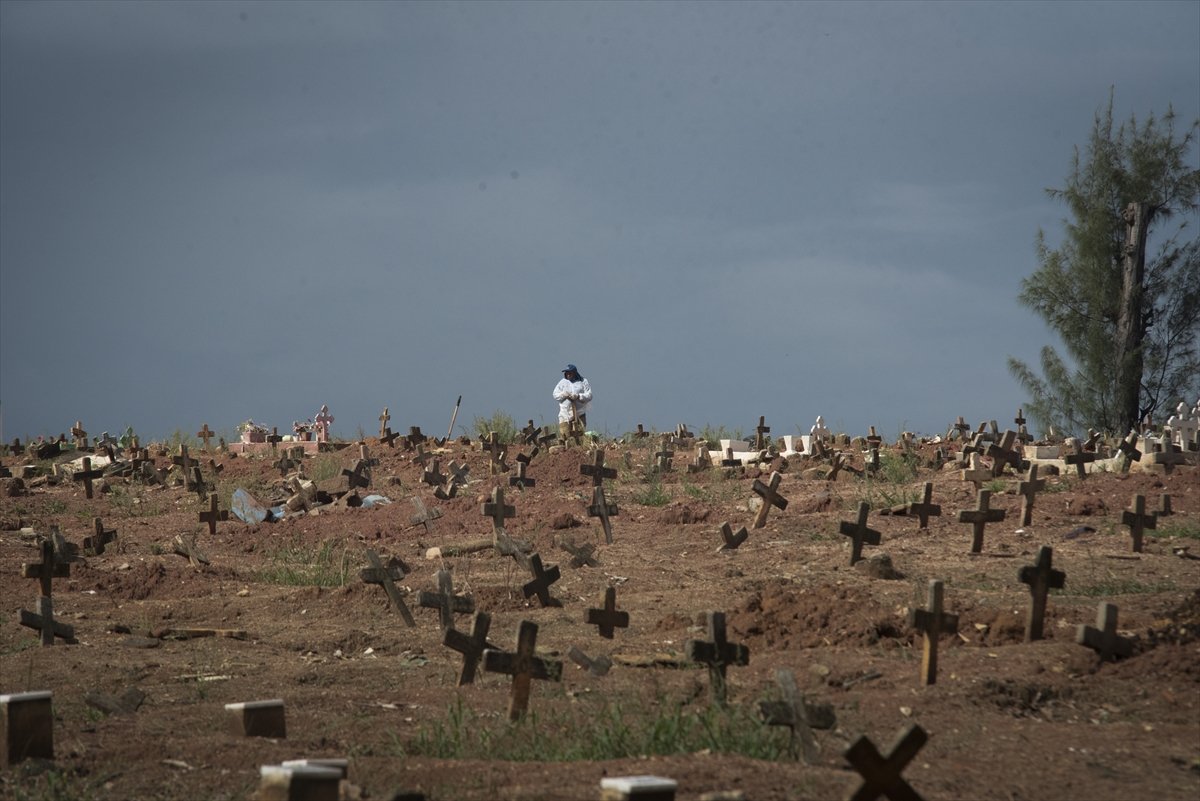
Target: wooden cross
205	435
770	496
45	572
732	540
357	476
602	509
458	472
545	439
1164	505
520	480
1079	459
95	543
415	436
760	438
976	473
979	517
926	508
1005	453
395	569
1041	579
1028	490
470	646
383	422
284	465
1169	456
213	514
859	533
80	435
432	475
717	653
641	433
1103	639
961	428
663	458
388	437
836	463
446	491
422	457
87	475
1138	521
932	622
198	485
542	579
523	665
597	470
793	713
1020	418
881	774
581	555
873	439
496	463
423	516
184	462
214	467
393	594
364	455
445	601
730	460
1128	449
498	510
608	618
529	433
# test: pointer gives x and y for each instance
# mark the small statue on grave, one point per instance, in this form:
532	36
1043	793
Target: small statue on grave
323	421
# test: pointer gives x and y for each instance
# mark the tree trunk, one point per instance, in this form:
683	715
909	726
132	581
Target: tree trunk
1131	329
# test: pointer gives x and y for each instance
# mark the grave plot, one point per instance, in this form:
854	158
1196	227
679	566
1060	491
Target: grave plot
287	610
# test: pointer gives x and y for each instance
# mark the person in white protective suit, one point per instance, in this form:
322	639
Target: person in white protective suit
574	395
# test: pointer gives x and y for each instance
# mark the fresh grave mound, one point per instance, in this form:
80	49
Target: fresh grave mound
782	616
153	579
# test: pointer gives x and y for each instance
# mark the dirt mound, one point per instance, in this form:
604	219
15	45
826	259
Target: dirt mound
140	582
684	513
782	616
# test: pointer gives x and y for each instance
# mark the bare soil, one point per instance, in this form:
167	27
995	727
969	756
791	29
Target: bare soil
1006	719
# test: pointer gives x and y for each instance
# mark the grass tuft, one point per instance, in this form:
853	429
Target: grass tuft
298	566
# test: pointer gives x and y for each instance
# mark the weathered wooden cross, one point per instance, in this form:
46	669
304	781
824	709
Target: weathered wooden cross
979	517
770	496
539	585
717	653
1138	521
102	537
1103	639
932	622
702	461
1080	459
607	618
926	508
663	458
470	646
1129	452
732	540
445	601
596	470
975	472
388	437
385	578
205	435
432	475
87	475
581	555
602	509
529	433
423	517
881	774
793	713
760	437
523	665
498	510
383	423
1028	490
213	514
45	572
597	667
859	533
357	475
1041	578
1005	454
520	480
80	435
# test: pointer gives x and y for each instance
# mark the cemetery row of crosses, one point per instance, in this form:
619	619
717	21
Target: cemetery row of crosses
309	617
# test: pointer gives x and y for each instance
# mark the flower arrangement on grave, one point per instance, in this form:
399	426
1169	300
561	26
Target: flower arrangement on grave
252	431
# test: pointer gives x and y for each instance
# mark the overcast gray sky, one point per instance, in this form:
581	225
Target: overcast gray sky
222	210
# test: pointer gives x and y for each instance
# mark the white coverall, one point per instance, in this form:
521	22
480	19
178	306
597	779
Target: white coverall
563	391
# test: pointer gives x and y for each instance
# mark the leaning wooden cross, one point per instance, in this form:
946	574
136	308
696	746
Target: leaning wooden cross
45	572
470	646
770	496
881	774
602	509
423	516
717	653
732	540
760	436
932	622
979	517
1138	521
859	533
523	665
1103	639
793	713
445	601
384	577
94	544
1041	579
607	618
539	585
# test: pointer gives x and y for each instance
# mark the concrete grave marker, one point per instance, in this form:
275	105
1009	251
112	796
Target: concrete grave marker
771	497
87	475
1138	521
213	514
539	585
523	665
384	576
1169	457
94	544
445	601
979	517
932	622
881	775
793	713
258	718
1028	490
607	618
470	646
1103	639
298	782
1041	579
637	788
926	508
602	509
322	422
26	727
859	533
718	654
732	540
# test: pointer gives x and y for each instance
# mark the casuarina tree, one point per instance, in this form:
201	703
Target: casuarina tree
1122	290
